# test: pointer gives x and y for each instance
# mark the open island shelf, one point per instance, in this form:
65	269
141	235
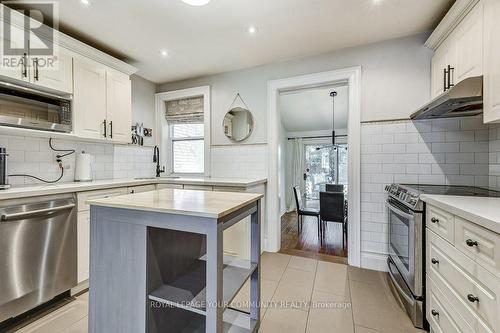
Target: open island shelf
159	268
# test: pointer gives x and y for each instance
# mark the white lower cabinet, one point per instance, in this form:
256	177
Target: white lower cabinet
83	245
462	289
83	227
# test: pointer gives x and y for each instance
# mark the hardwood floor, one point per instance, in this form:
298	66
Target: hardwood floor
307	243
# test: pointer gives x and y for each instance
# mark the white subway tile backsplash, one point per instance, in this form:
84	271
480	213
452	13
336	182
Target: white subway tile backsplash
460	157
394	148
441	151
459	136
445	147
432	137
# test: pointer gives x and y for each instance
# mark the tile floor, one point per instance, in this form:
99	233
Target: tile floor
300	295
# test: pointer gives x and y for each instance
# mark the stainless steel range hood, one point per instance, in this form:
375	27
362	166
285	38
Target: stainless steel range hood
464	99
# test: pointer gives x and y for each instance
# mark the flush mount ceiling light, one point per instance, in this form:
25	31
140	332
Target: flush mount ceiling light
196	2
164	53
252	30
85	2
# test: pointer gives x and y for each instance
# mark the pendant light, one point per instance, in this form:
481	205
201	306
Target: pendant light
333	94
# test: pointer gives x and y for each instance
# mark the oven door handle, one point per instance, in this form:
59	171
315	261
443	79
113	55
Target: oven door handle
399	211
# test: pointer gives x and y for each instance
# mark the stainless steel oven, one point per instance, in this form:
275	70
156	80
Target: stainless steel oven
29	108
405	216
406	243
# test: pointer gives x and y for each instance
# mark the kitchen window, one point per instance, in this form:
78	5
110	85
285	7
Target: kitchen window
187	144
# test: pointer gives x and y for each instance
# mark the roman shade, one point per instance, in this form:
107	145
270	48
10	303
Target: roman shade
185	110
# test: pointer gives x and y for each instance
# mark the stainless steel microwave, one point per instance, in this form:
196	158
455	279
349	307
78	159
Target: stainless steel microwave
29	108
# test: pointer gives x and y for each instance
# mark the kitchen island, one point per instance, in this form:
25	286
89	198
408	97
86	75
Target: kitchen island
157	262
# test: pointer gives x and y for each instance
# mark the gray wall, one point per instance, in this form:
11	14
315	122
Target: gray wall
396	80
143	104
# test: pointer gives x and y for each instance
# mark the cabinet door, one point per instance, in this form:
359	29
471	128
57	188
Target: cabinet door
13	65
468	39
119	106
443	57
89	104
55	73
83	245
491	74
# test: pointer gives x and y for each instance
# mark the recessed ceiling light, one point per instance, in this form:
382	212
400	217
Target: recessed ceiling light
252	30
377	2
85	2
196	2
164	53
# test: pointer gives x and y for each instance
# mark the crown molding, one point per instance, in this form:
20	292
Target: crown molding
455	15
72	44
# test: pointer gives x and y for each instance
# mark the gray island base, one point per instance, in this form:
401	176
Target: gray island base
157	263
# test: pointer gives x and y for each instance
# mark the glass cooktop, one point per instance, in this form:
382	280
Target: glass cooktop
451	190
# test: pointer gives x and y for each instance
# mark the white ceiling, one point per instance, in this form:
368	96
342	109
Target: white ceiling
213	38
311	109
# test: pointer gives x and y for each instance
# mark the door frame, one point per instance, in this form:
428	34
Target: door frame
351	75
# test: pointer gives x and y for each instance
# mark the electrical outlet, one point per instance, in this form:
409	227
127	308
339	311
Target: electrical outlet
67	166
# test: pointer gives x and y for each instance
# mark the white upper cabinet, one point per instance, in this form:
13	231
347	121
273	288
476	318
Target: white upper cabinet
55	73
491	89
102	102
460	55
119	106
444	56
16	65
89	101
468	40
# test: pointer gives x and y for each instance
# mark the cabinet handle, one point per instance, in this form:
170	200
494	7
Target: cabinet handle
434	220
434	261
444	79
105	127
434	313
111	129
35	62
25	65
471	243
450	71
472	298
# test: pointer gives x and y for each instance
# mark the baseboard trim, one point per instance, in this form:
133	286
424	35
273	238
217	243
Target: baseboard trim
82	286
375	261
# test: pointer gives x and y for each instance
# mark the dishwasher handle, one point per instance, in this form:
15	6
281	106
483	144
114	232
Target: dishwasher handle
35	213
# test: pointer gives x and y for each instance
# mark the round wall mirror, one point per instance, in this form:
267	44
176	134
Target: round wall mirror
238	124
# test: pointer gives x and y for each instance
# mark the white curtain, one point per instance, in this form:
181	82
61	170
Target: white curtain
297	170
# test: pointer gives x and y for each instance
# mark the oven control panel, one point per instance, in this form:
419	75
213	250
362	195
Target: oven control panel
403	194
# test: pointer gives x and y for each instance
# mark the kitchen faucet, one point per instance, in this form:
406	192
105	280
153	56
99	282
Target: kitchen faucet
156	159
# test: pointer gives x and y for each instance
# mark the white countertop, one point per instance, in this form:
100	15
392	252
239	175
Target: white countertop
59	188
214	181
480	210
181	202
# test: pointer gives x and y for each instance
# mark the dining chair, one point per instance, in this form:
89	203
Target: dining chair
334	188
332	209
304	211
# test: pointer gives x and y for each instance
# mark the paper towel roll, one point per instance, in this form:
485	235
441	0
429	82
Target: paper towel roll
83	169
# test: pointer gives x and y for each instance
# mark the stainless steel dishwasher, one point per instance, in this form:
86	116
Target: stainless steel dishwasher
37	251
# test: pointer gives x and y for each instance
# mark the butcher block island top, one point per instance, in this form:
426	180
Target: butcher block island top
158	265
182	202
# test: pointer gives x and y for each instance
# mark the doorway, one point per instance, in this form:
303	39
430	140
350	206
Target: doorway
311	225
277	142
